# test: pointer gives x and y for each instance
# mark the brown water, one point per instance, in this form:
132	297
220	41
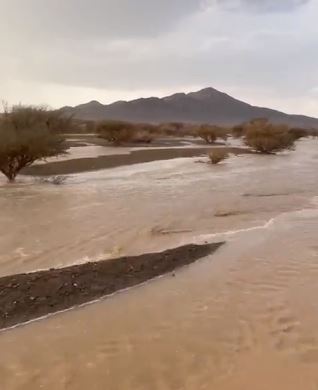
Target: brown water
243	318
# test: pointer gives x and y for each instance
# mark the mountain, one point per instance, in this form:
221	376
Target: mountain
205	106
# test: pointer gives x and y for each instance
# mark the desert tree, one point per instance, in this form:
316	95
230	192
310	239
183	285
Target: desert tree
28	134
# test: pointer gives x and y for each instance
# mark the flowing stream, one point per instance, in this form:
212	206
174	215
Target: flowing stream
243	318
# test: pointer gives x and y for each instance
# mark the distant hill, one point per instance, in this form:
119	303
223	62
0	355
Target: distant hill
207	105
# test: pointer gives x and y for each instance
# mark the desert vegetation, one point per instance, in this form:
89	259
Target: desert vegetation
28	134
265	137
119	132
211	133
218	155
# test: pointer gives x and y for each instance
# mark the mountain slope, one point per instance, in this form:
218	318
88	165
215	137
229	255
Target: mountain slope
207	105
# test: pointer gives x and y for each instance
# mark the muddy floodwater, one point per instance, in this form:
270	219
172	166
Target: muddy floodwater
243	318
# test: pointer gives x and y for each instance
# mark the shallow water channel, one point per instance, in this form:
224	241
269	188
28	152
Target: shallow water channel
245	317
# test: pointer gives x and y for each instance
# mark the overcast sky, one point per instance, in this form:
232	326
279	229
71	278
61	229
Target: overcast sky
66	52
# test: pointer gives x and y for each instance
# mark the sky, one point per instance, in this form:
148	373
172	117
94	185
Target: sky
68	52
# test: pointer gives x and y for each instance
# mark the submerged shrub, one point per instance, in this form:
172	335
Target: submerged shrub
218	155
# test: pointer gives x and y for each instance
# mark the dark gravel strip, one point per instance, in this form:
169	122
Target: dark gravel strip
24	297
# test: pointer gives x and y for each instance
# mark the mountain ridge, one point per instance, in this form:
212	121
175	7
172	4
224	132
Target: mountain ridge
207	105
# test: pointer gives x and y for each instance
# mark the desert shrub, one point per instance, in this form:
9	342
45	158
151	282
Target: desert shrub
222	133
143	136
298	132
62	124
238	130
173	129
177	126
218	155
207	133
211	133
265	137
28	134
313	133
86	127
116	132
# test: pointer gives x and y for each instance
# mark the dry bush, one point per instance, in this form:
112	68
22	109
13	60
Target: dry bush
207	133
171	129
28	134
116	132
143	136
298	132
223	133
238	130
62	124
265	137
90	126
313	133
211	133
218	155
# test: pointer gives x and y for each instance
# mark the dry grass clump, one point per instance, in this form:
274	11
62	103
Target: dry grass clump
218	155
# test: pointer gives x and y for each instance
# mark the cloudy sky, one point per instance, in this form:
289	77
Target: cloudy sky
66	52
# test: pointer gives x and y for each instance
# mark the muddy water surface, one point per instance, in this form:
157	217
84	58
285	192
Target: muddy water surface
243	318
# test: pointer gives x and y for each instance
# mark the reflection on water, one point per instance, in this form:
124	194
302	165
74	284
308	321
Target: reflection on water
243	318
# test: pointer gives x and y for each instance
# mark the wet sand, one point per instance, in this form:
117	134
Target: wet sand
25	297
78	165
